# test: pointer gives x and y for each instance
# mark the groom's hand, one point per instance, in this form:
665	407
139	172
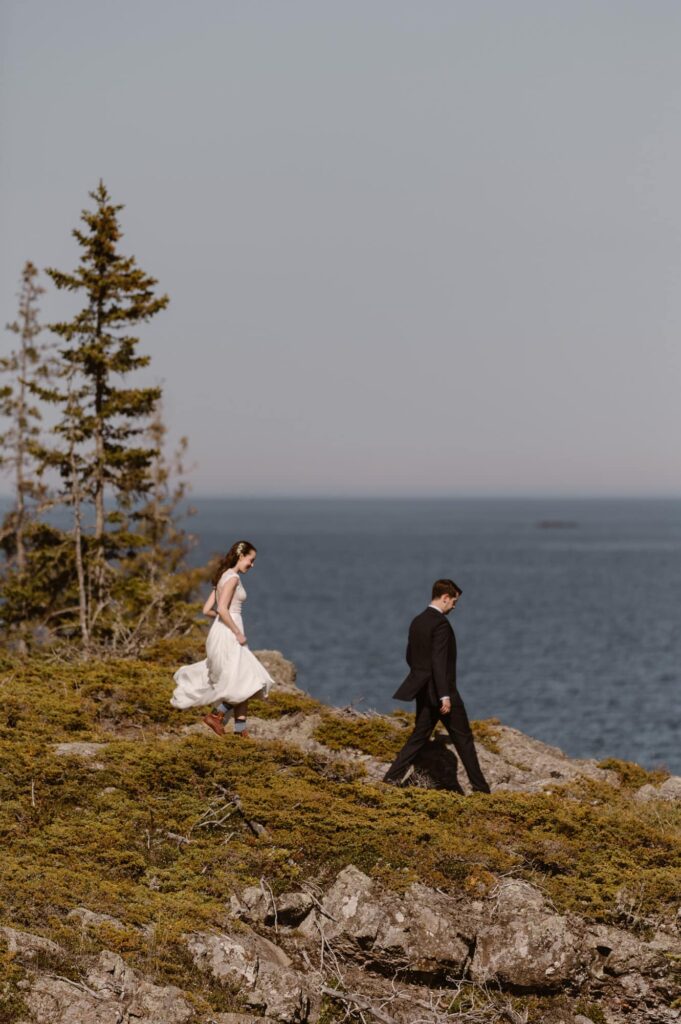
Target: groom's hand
445	705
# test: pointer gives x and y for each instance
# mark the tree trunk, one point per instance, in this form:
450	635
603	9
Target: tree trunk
78	543
19	468
76	503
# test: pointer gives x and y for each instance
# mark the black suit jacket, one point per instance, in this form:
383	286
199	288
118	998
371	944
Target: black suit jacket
431	656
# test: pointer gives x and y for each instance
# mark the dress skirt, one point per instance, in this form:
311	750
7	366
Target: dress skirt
230	672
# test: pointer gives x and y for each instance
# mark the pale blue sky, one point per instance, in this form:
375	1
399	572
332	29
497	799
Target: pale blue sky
411	248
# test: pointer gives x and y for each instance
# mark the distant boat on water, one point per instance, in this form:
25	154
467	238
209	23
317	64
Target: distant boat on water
557	524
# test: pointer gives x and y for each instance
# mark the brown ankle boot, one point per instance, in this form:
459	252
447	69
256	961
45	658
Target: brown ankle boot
214	722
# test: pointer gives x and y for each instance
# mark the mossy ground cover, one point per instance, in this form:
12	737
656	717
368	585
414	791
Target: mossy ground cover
149	830
632	776
382	736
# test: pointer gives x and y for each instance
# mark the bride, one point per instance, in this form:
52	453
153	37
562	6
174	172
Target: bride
230	673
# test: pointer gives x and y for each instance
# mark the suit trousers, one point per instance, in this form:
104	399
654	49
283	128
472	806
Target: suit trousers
457	725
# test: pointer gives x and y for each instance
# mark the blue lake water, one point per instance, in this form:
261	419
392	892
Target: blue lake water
570	632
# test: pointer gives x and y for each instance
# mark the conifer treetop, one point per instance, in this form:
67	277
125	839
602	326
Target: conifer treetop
120	293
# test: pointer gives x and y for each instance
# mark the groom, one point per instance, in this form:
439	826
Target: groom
431	656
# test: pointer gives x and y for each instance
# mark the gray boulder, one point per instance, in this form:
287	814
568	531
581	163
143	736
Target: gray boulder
524	944
643	972
523	764
112	993
286	910
258	969
670	789
420	933
26	947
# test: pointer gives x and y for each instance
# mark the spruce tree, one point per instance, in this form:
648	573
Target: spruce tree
27	362
103	458
26	585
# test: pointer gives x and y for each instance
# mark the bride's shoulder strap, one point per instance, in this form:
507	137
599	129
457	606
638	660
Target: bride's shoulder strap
228	574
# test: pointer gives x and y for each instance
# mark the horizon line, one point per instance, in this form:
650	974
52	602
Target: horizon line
401	496
398	496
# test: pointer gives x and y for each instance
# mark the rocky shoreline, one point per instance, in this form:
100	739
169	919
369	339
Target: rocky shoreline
357	944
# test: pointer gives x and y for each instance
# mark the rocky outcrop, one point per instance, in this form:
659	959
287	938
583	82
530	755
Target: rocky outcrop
256	968
422	933
109	992
28	948
362	945
527	765
511	941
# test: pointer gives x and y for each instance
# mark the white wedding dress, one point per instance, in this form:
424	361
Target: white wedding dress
230	672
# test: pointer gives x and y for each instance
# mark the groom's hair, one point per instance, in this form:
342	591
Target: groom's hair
441	587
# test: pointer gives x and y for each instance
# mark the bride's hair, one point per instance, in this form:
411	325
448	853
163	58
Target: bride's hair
237	551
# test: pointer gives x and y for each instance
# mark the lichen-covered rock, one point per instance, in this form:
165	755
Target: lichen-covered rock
292	908
253	904
238	1018
112	993
643	972
524	764
225	958
88	919
419	933
154	1003
258	969
670	789
53	1001
296	729
523	943
111	976
286	910
79	749
618	952
27	947
441	933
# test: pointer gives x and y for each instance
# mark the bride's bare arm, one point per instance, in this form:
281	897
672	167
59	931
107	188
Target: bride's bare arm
208	608
225	595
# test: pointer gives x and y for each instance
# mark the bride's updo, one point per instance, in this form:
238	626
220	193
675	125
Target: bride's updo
237	551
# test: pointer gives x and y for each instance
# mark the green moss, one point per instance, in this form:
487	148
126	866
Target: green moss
368	733
283	703
551	1009
383	737
487	733
590	1010
180	650
631	775
12	1005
